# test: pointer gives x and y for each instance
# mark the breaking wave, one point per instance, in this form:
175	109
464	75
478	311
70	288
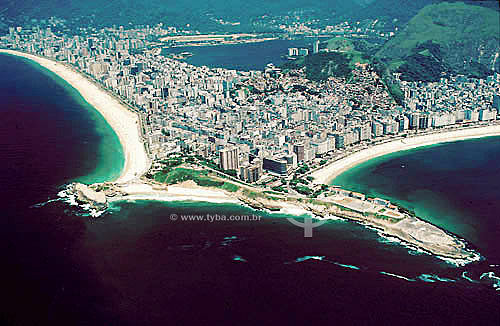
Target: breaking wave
347	266
301	259
45	203
432	278
398	276
87	210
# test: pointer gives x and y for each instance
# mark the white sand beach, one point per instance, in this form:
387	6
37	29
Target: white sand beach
186	191
190	191
331	171
124	122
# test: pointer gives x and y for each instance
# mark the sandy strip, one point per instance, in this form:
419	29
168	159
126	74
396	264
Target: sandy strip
291	209
203	37
124	122
188	191
331	171
142	191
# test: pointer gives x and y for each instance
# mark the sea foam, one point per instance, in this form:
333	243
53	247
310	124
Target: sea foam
398	276
45	203
347	266
302	259
432	278
239	258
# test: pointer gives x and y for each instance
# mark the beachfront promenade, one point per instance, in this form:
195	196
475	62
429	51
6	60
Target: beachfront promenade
329	172
129	186
129	125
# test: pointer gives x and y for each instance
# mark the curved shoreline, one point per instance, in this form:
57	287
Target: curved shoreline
330	172
126	125
409	230
123	122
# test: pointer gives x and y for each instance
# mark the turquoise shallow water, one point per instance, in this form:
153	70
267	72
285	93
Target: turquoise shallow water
453	185
107	161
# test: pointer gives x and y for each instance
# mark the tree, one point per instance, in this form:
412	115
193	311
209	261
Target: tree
232	173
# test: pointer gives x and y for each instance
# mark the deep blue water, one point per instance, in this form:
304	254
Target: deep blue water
247	56
455	186
134	266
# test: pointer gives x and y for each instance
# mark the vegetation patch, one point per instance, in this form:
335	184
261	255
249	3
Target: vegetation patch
444	38
321	66
201	178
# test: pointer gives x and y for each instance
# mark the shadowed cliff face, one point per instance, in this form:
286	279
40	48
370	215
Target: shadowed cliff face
455	37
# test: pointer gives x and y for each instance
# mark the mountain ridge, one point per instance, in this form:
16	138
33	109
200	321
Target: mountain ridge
445	37
198	13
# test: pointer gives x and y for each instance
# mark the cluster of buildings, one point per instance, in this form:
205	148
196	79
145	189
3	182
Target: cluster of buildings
451	101
256	122
295	52
369	28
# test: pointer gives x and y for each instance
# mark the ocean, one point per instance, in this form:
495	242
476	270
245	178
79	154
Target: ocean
135	266
452	185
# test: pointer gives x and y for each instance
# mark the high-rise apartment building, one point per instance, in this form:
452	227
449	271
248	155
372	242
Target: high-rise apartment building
229	158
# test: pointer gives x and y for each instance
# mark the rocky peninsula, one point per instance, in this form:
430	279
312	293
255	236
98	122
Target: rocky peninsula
389	220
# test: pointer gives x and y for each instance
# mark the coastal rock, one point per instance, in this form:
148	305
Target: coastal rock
86	194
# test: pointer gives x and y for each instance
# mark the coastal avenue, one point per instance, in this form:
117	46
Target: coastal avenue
380	127
284	124
170	128
328	173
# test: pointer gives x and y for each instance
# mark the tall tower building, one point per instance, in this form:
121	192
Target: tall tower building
229	158
496	102
298	149
316	46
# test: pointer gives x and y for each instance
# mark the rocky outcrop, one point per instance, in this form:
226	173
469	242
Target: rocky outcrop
409	229
86	194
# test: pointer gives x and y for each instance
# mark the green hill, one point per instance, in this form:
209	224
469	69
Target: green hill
199	14
320	66
339	61
351	48
445	37
340	44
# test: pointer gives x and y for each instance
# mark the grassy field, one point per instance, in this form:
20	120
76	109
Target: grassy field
201	178
346	46
341	44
